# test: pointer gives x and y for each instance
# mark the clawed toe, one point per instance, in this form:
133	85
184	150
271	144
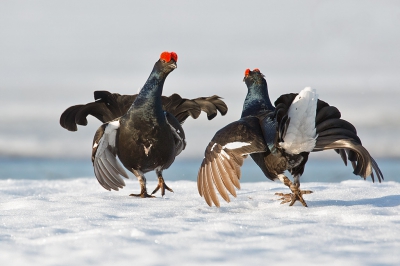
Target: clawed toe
142	195
297	195
161	185
284	197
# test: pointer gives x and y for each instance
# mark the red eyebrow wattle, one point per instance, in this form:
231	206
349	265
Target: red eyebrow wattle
167	56
174	56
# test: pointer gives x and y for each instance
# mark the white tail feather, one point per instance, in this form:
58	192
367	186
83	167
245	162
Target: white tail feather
301	133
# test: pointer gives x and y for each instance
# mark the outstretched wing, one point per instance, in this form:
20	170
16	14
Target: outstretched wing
106	167
224	156
182	108
211	105
340	135
106	107
109	106
76	115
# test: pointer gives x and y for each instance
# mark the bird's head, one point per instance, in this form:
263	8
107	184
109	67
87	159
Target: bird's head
167	62
253	77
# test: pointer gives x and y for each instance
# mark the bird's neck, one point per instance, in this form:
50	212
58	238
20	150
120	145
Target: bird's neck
149	98
257	100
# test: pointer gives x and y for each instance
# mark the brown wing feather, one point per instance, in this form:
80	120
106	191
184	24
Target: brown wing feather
220	169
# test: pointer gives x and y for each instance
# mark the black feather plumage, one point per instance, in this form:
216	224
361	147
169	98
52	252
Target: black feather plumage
143	130
108	106
265	142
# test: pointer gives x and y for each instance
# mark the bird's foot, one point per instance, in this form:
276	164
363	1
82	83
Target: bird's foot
296	195
161	185
142	194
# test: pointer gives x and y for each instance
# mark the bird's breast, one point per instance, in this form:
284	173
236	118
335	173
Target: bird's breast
146	148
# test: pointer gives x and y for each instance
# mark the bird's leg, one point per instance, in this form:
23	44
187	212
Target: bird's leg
161	184
142	181
296	194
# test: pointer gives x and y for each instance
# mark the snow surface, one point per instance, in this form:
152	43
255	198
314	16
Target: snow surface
77	222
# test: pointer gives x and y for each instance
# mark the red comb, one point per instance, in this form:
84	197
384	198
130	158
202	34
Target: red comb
247	72
256	70
174	56
167	56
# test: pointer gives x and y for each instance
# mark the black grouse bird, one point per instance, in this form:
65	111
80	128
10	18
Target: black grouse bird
279	138
143	130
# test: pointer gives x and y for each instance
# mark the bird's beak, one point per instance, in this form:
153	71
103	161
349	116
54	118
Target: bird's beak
173	65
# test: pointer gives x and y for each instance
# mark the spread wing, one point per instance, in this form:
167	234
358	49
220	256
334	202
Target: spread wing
340	135
224	155
212	105
106	107
109	106
348	145
182	108
106	167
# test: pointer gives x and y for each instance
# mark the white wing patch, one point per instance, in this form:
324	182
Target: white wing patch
213	146
108	138
301	133
106	167
236	145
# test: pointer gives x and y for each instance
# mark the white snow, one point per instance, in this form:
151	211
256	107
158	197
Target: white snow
77	222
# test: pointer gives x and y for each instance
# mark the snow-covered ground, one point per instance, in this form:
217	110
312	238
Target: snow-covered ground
76	222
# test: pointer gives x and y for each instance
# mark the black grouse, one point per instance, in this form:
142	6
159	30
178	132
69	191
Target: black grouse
279	138
143	130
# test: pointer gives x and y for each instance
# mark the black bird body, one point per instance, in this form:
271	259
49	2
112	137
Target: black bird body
278	138
147	147
143	130
145	140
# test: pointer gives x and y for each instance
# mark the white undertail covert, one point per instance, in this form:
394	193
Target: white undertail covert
301	133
